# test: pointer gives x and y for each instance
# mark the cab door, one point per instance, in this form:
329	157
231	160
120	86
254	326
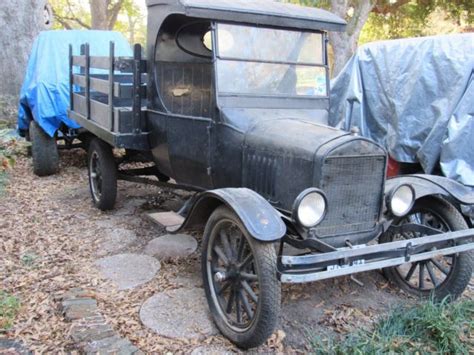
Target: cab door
189	143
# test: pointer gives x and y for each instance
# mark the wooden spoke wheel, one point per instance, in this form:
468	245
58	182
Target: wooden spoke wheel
240	280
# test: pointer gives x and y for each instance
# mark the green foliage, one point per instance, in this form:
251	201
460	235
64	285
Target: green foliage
29	260
9	307
70	15
325	4
402	18
427	328
7	157
76	14
10	149
392	19
132	22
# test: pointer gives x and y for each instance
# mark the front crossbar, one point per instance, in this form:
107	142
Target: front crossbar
315	267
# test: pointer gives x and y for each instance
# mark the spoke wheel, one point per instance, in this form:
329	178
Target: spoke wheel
440	276
240	280
95	176
102	174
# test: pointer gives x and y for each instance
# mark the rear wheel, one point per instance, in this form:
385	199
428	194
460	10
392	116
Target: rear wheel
102	174
240	280
441	276
44	151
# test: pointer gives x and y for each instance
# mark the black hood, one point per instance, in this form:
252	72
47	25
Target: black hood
290	136
282	157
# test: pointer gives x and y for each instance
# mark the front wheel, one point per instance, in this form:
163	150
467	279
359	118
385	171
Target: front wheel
102	174
442	276
240	280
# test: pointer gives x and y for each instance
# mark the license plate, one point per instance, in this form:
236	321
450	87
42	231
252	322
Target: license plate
345	266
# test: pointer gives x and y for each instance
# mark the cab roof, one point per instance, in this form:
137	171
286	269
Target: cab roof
258	12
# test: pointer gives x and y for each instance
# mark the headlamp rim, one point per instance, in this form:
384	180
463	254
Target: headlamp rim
300	198
392	194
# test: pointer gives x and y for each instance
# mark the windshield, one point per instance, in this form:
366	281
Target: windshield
270	62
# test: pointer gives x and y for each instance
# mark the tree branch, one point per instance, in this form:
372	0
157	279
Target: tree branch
388	7
113	13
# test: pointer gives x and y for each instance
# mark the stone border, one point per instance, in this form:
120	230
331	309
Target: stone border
90	331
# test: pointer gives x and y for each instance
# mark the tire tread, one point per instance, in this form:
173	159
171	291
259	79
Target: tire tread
44	151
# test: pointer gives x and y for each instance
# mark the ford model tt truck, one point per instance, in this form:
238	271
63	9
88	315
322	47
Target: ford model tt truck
232	103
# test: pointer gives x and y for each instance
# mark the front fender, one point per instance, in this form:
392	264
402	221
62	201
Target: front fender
263	222
426	185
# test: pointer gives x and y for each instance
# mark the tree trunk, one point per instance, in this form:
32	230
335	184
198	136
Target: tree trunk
104	13
344	44
99	14
19	29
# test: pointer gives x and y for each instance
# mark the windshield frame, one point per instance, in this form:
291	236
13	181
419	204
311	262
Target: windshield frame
217	57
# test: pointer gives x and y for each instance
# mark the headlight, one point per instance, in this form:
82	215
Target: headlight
401	200
309	208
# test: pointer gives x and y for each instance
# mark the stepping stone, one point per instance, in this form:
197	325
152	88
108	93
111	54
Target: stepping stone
111	345
171	246
115	240
128	270
211	350
189	280
181	313
13	347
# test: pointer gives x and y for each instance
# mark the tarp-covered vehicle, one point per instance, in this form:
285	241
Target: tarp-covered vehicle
44	96
232	102
415	97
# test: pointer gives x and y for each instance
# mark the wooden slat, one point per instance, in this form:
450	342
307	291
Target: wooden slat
99	85
125	91
123	120
80	104
121	90
123	64
79	60
100	113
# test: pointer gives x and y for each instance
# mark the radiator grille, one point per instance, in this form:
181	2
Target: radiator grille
353	186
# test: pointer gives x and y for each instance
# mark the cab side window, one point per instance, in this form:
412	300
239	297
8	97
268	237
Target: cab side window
184	69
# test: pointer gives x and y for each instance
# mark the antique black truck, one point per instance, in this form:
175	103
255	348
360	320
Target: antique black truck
232	103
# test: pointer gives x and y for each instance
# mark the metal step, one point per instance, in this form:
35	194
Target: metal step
170	220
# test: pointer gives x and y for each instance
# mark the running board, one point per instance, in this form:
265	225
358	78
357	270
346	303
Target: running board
170	220
346	261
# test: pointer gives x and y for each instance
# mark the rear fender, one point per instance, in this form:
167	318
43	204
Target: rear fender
262	221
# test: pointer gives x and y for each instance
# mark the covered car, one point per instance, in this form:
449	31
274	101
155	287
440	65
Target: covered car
415	97
44	95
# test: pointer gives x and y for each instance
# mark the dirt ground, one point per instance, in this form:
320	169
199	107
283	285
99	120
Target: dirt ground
51	235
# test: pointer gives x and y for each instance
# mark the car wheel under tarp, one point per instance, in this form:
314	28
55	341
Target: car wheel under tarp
441	276
44	151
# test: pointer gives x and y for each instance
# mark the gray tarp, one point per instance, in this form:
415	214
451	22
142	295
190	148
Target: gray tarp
414	96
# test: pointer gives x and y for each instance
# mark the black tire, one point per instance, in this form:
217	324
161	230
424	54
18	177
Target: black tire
457	269
259	307
44	151
102	174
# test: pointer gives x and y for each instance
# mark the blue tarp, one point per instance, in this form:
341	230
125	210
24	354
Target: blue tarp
45	90
416	97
